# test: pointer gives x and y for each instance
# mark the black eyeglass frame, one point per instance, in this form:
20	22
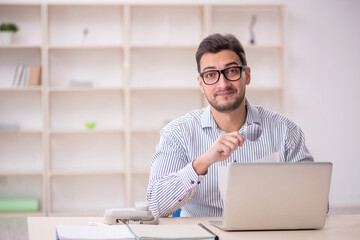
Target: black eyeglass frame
243	67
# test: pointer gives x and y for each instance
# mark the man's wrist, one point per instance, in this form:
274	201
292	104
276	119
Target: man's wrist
200	165
189	177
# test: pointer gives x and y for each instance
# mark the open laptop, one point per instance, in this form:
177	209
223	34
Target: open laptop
269	196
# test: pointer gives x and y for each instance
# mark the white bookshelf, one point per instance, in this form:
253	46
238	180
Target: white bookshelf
137	71
29	18
68	23
21	110
266	56
164	25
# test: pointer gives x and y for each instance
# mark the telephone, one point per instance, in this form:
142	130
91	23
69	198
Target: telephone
140	214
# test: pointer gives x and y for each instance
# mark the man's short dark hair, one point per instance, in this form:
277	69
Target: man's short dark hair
215	43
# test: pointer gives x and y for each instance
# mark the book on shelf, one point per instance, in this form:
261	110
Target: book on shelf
34	76
133	231
18	75
19	204
27	76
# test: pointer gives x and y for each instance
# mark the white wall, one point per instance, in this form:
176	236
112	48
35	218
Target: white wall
324	58
324	83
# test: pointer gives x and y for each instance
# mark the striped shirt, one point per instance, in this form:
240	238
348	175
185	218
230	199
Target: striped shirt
173	181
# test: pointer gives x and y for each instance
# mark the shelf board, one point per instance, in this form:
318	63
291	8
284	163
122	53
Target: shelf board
263	47
246	5
145	130
20	46
22	172
165	88
86	172
86	131
22	214
164	46
20	131
21	89
93	46
141	171
166	5
264	88
84	89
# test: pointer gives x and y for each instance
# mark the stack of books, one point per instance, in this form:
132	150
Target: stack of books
27	76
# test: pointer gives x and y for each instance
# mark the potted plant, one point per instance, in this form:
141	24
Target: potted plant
7	31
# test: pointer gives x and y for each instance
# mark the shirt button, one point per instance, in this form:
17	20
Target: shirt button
192	182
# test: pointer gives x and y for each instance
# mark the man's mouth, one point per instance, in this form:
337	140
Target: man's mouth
224	93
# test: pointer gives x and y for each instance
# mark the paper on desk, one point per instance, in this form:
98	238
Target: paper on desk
103	232
178	231
222	171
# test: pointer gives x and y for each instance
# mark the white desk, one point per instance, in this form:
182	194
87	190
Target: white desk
336	227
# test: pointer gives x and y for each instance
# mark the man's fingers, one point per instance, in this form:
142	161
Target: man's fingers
233	137
224	146
239	137
228	144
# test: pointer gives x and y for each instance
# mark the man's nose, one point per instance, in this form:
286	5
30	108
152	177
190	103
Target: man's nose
223	81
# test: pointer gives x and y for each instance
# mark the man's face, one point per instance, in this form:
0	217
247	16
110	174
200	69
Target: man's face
224	95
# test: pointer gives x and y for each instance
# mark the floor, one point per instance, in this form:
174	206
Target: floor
13	228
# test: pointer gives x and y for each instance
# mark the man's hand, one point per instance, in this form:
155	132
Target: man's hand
224	146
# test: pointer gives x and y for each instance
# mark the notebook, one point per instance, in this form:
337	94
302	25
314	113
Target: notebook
174	231
103	232
269	196
133	232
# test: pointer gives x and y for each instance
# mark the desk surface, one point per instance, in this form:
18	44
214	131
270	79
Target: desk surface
336	227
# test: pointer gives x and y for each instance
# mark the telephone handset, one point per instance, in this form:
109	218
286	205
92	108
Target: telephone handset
140	214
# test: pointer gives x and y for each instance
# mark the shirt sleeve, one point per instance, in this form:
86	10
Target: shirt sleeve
173	180
295	148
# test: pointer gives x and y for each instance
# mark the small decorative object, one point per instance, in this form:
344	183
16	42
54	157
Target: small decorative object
90	125
251	29
7	31
85	34
81	82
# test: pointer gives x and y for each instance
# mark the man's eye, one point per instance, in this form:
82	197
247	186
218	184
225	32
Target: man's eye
233	70
209	75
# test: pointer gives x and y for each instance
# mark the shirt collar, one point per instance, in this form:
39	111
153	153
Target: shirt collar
207	119
252	113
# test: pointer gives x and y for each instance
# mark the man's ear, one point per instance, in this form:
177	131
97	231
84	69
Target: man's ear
248	75
200	84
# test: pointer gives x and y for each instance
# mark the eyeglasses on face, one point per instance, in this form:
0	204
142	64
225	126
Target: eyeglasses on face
231	74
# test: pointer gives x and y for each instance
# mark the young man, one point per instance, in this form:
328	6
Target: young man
184	167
